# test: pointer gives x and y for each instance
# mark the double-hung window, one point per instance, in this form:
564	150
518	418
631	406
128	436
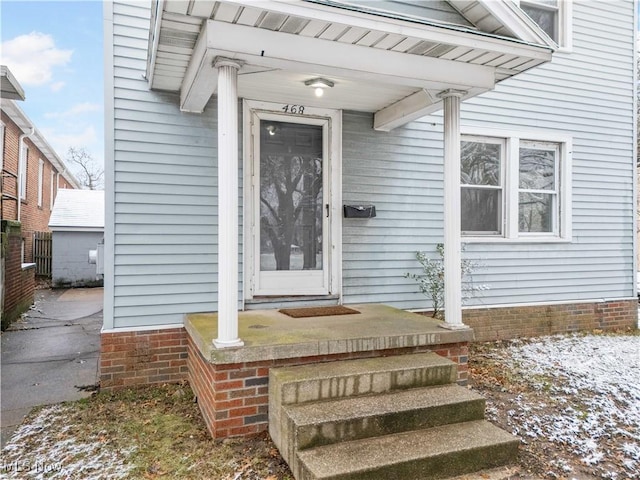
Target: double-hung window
515	186
538	187
482	183
552	16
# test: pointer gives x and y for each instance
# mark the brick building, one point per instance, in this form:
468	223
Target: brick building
32	170
32	174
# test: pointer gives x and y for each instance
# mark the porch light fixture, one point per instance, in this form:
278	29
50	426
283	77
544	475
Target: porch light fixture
319	84
272	129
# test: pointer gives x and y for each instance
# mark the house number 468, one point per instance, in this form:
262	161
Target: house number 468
293	109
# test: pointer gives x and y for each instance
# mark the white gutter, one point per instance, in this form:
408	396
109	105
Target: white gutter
21	154
154	38
17	116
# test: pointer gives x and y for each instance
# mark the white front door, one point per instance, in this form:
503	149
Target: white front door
291	205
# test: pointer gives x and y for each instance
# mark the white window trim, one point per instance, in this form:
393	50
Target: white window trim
2	142
51	197
565	25
40	181
511	190
24	164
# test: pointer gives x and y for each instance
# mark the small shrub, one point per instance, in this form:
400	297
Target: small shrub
431	281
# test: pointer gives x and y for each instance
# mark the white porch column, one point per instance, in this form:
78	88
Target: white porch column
452	236
227	203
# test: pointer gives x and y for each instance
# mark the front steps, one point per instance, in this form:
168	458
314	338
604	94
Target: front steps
400	417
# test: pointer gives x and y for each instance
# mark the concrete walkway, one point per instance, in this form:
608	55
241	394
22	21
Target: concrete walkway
50	353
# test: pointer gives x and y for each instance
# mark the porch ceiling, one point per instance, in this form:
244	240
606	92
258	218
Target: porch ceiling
375	60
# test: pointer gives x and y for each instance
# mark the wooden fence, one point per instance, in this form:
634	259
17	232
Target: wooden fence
42	253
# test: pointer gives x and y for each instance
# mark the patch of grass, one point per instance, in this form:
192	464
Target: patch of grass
161	433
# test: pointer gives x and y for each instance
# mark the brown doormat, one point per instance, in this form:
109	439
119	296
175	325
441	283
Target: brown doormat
318	311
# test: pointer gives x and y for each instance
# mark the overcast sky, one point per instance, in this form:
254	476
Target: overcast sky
54	49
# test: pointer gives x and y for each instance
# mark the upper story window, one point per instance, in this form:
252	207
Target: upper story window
553	16
516	186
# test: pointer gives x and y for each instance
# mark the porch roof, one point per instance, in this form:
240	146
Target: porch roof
383	62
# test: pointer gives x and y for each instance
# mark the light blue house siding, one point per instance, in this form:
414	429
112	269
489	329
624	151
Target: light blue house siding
165	210
588	94
165	199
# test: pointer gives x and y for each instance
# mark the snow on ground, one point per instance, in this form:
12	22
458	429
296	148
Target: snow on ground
68	454
581	399
588	401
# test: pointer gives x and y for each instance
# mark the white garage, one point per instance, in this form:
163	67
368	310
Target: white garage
77	226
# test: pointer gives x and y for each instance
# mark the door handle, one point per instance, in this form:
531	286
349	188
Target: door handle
327	207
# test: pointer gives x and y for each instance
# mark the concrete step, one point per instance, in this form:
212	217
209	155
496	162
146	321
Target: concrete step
323	423
334	380
324	381
438	452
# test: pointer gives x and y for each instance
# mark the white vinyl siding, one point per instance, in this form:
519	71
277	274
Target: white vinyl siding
399	172
439	10
587	96
165	210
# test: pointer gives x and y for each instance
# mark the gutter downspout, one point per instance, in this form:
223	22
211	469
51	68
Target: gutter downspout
32	130
64	170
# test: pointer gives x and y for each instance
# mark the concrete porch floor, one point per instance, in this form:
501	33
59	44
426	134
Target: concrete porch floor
271	335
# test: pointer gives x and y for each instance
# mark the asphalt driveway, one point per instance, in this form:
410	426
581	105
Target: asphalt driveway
51	355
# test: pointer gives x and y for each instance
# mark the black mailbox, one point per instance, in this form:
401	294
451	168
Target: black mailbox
359	211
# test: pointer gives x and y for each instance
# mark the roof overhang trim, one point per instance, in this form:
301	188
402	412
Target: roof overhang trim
61	228
514	18
507	13
15	113
528	33
9	86
265	48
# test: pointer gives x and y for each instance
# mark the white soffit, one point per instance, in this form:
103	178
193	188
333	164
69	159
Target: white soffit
10	89
408	57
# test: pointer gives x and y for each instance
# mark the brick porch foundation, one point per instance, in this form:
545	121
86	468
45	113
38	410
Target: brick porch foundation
234	398
143	357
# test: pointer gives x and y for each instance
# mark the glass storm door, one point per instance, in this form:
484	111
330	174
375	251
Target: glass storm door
290	205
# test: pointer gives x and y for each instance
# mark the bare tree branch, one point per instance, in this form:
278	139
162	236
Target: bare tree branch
89	172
